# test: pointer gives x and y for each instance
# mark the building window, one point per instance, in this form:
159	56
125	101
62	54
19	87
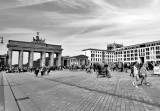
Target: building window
158	56
157	48
147	49
92	55
131	51
147	57
147	53
136	58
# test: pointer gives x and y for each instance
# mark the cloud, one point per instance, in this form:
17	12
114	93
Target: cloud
78	24
129	4
11	4
16	31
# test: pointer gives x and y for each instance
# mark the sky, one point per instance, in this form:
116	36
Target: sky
80	24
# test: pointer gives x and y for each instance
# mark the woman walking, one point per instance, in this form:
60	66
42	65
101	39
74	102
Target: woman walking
135	71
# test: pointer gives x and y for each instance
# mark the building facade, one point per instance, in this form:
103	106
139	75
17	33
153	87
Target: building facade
144	52
79	60
98	55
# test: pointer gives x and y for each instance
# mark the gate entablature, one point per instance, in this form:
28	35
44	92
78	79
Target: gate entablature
33	46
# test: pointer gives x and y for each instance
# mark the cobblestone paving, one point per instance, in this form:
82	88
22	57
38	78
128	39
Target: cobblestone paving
79	91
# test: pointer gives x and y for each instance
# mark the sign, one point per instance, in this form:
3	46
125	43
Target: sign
156	70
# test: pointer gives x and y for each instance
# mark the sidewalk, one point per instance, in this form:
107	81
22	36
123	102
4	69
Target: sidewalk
10	103
79	91
1	92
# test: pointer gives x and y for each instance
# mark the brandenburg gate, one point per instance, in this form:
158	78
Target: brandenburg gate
37	45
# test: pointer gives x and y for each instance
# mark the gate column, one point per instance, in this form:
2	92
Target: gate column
30	60
20	60
40	64
51	62
10	58
43	59
59	58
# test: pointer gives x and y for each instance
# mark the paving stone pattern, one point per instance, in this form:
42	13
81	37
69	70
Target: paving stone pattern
80	91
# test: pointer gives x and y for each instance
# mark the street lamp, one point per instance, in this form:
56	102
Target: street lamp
1	40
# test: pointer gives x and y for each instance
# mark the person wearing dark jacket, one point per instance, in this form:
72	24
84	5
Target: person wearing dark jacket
36	71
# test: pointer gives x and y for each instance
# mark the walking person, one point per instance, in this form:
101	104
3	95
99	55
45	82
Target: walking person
42	71
132	70
48	70
135	71
94	67
36	71
143	73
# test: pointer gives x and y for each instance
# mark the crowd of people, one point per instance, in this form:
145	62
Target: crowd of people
137	70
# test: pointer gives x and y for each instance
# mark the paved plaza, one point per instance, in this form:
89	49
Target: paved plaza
80	91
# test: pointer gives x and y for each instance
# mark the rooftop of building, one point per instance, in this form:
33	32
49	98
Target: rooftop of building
121	48
80	56
96	49
108	44
142	44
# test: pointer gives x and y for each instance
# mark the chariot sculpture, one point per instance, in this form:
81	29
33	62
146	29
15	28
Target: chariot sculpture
37	39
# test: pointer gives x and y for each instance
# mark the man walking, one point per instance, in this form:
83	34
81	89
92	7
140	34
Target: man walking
144	72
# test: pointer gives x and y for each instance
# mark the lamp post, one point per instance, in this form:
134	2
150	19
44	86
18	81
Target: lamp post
1	40
1	61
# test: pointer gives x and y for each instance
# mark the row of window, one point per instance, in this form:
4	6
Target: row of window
73	60
95	55
153	44
131	51
96	52
128	55
143	45
130	59
99	52
140	50
95	60
125	59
